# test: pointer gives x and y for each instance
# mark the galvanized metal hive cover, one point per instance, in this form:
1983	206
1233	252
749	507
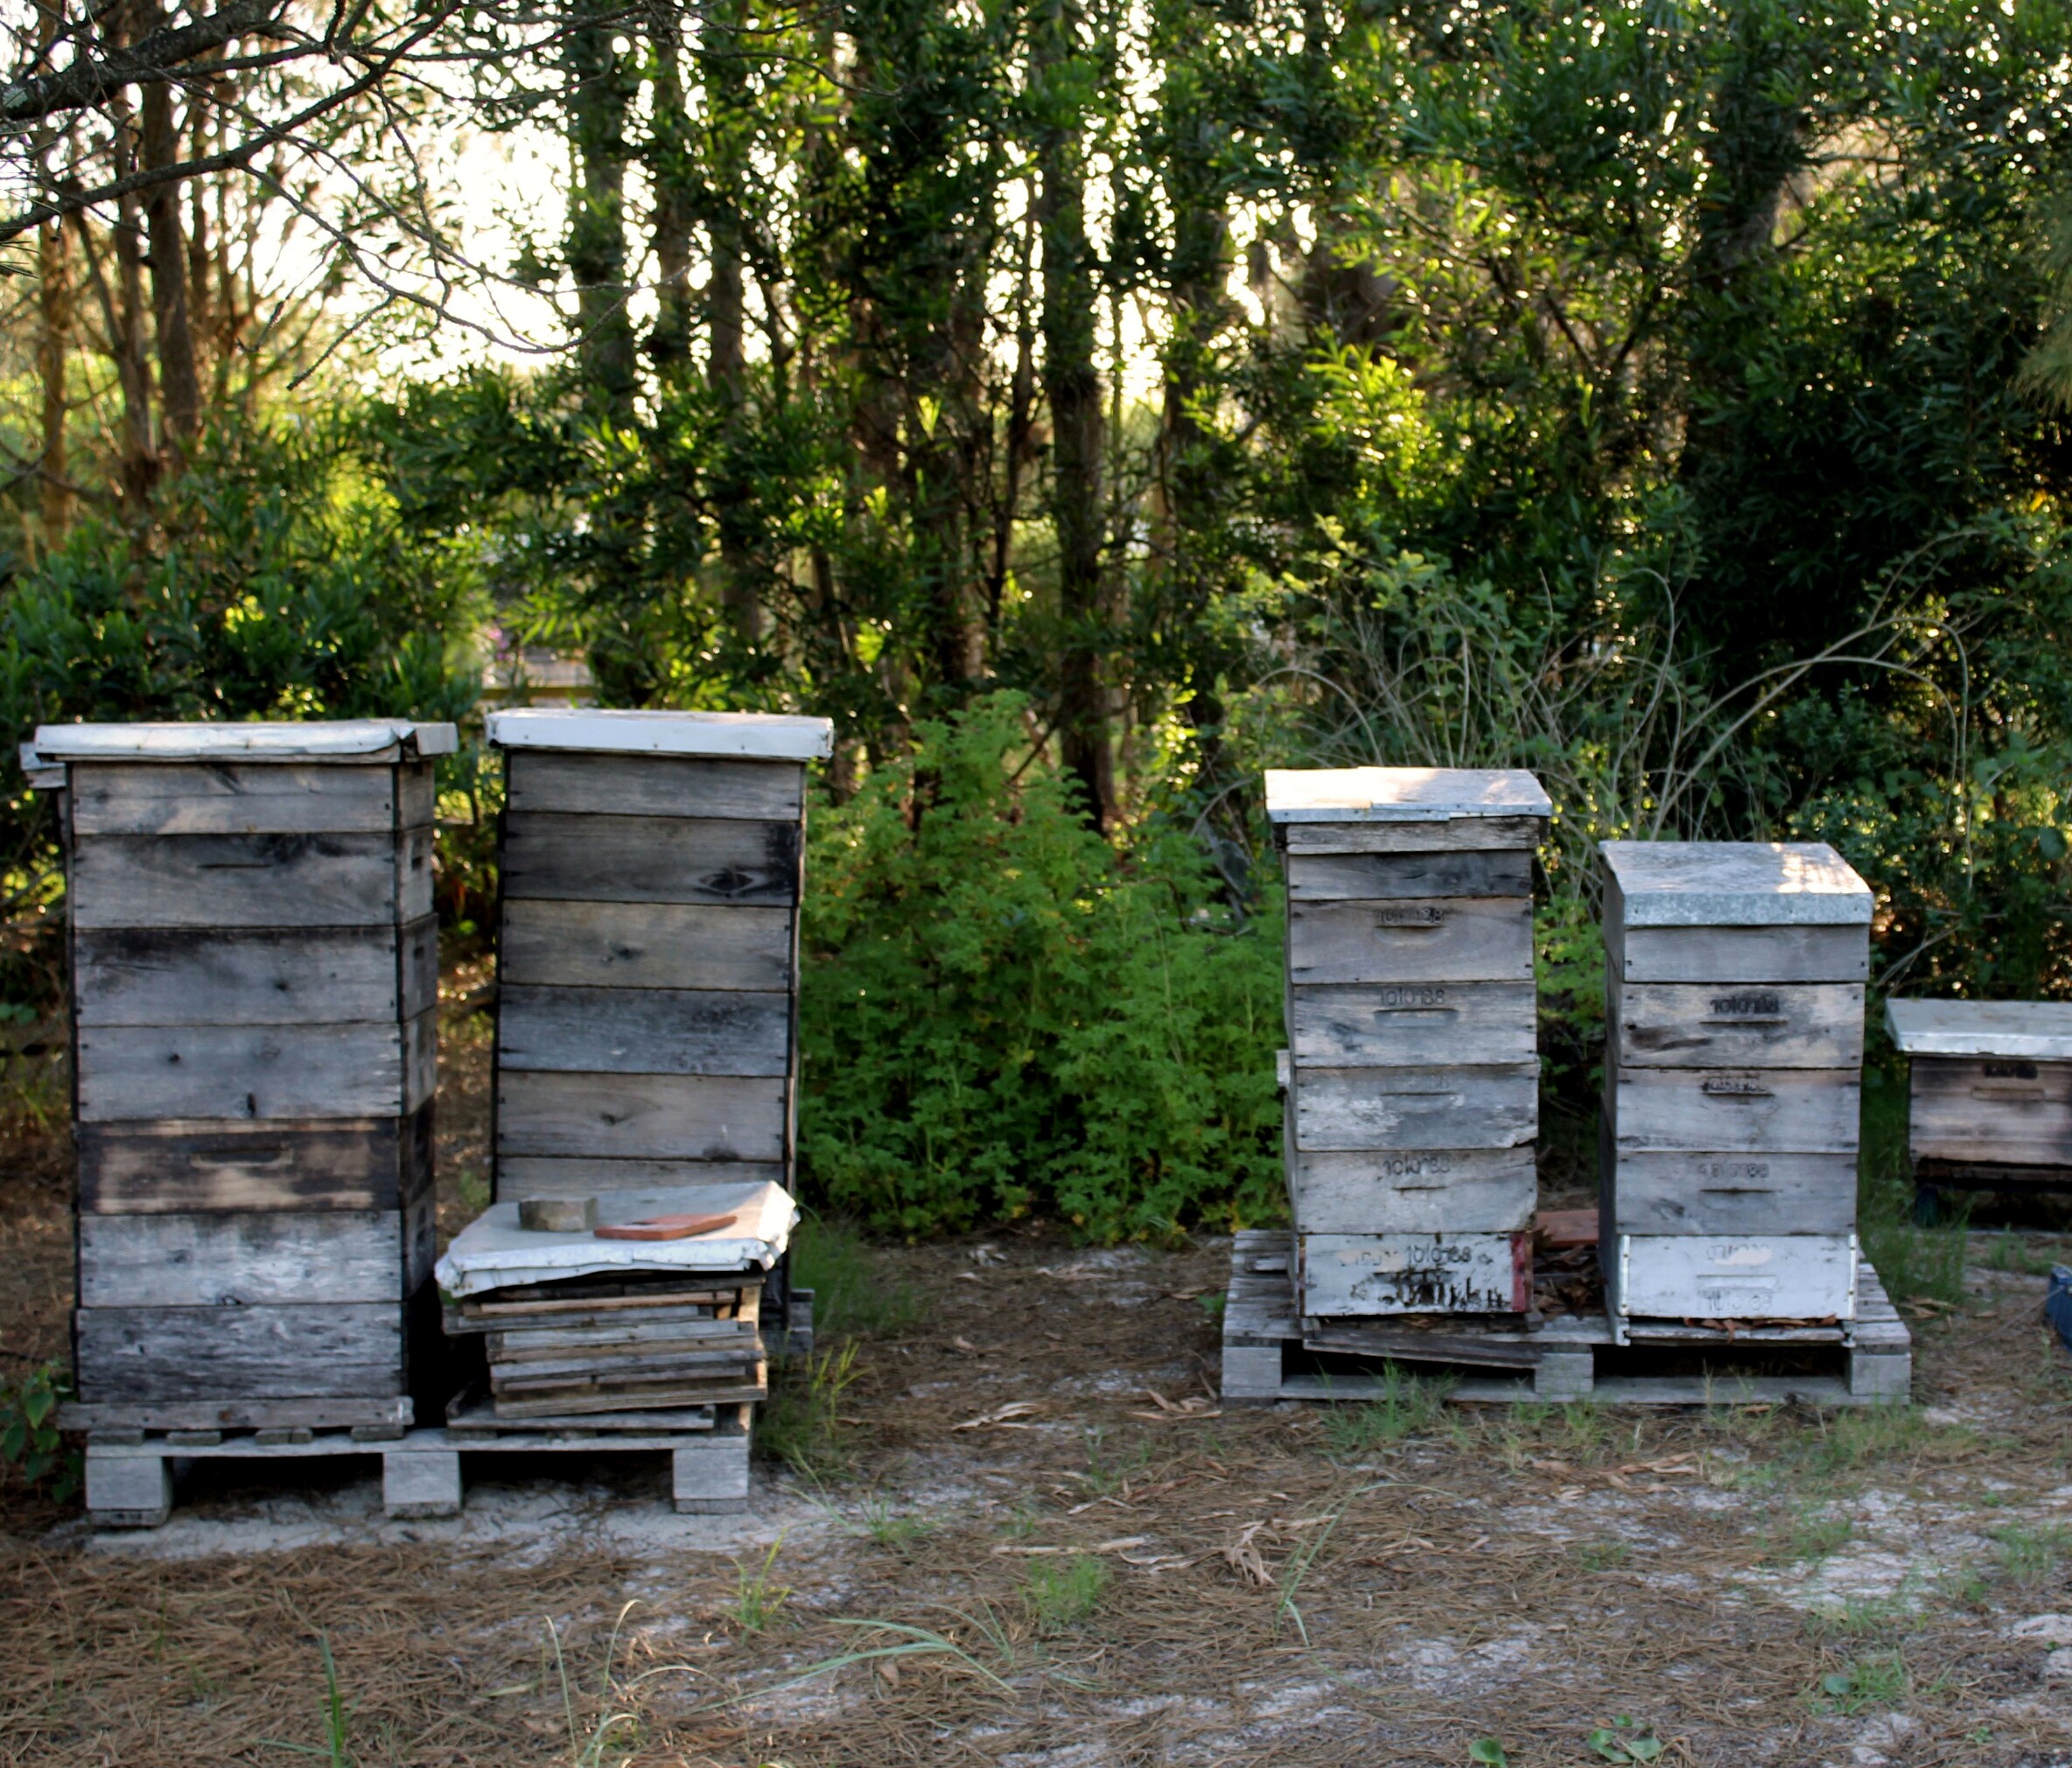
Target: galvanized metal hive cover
1734	884
1401	794
740	735
333	739
2039	1030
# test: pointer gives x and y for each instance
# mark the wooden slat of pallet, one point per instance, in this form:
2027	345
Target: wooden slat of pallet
644	945
1736	1110
738	1337
1743	956
144	1356
2001	1110
248	797
254	977
586	783
250	880
364	1164
576	1400
1343	1109
254	1260
1453	939
1375	876
602	1315
1463	1190
1460	834
130	1072
643	1117
1652	1193
1377	1025
1727	1025
649	859
647	1365
386	1413
643	1031
522	1176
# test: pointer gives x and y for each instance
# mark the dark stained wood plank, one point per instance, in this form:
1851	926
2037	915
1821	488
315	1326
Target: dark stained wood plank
1999	1109
649	859
1377	876
250	880
1448	940
367	1163
643	1117
1736	1025
254	977
592	784
144	1356
233	798
416	794
644	945
643	1031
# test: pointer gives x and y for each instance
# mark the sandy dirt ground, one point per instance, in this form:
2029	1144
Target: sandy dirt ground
1016	1526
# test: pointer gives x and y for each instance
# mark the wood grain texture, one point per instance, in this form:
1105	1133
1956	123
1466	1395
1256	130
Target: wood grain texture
250	880
1659	1194
1411	1109
1457	1191
1381	876
1456	835
643	1031
1735	1110
1378	1024
141	1356
1446	939
254	977
1738	955
416	794
643	1117
519	1175
1745	1277
1736	1025
649	859
129	1073
253	1259
252	798
546	780
1342	1274
1999	1109
645	946
177	1167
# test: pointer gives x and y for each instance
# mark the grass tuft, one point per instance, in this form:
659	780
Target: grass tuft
1407	1406
1063	1593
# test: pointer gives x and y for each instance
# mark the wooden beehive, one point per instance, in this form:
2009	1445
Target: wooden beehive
648	948
1992	1086
1413	1073
1734	1015
255	982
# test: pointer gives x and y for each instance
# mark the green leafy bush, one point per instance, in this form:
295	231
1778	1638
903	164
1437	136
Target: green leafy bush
29	1438
1000	1015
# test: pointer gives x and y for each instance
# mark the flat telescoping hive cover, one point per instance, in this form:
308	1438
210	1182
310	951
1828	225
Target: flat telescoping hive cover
739	736
1733	883
494	1253
318	739
2036	1030
1401	794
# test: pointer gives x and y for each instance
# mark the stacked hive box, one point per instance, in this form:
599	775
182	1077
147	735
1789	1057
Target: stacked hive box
1992	1093
1413	1080
254	971
1734	1009
647	949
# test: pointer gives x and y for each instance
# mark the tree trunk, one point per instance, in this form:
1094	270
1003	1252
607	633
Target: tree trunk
53	303
599	97
1072	389
672	174
726	318
179	379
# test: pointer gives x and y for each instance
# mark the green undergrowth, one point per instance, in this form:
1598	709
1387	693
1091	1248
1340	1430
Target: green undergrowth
1913	1262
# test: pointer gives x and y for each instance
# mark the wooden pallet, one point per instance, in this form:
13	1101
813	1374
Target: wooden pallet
129	1481
1271	1354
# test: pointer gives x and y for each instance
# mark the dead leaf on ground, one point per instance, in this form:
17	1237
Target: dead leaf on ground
1004	1419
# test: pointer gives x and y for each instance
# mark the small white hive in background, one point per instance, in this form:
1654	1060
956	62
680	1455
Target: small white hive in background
1413	1073
1734	1015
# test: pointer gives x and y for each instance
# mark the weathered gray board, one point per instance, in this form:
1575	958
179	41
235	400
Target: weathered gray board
1458	834
249	798
649	858
1737	1277
1375	878
365	1164
143	1355
666	786
1382	1024
1735	1110
643	1117
221	881
254	1259
1745	956
532	1175
1452	939
644	946
1415	1109
1683	1193
1360	1273
270	976
1731	883
625	1031
2006	1110
1462	1191
1736	1024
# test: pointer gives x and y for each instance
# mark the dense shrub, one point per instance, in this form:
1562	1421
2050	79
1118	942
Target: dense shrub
1002	1015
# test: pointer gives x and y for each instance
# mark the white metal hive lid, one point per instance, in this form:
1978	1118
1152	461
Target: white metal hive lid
494	1253
742	735
2039	1030
1733	883
332	739
1401	794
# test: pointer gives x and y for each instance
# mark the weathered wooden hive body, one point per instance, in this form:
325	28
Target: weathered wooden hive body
254	970
1734	1015
1991	1085
1413	1071
648	948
